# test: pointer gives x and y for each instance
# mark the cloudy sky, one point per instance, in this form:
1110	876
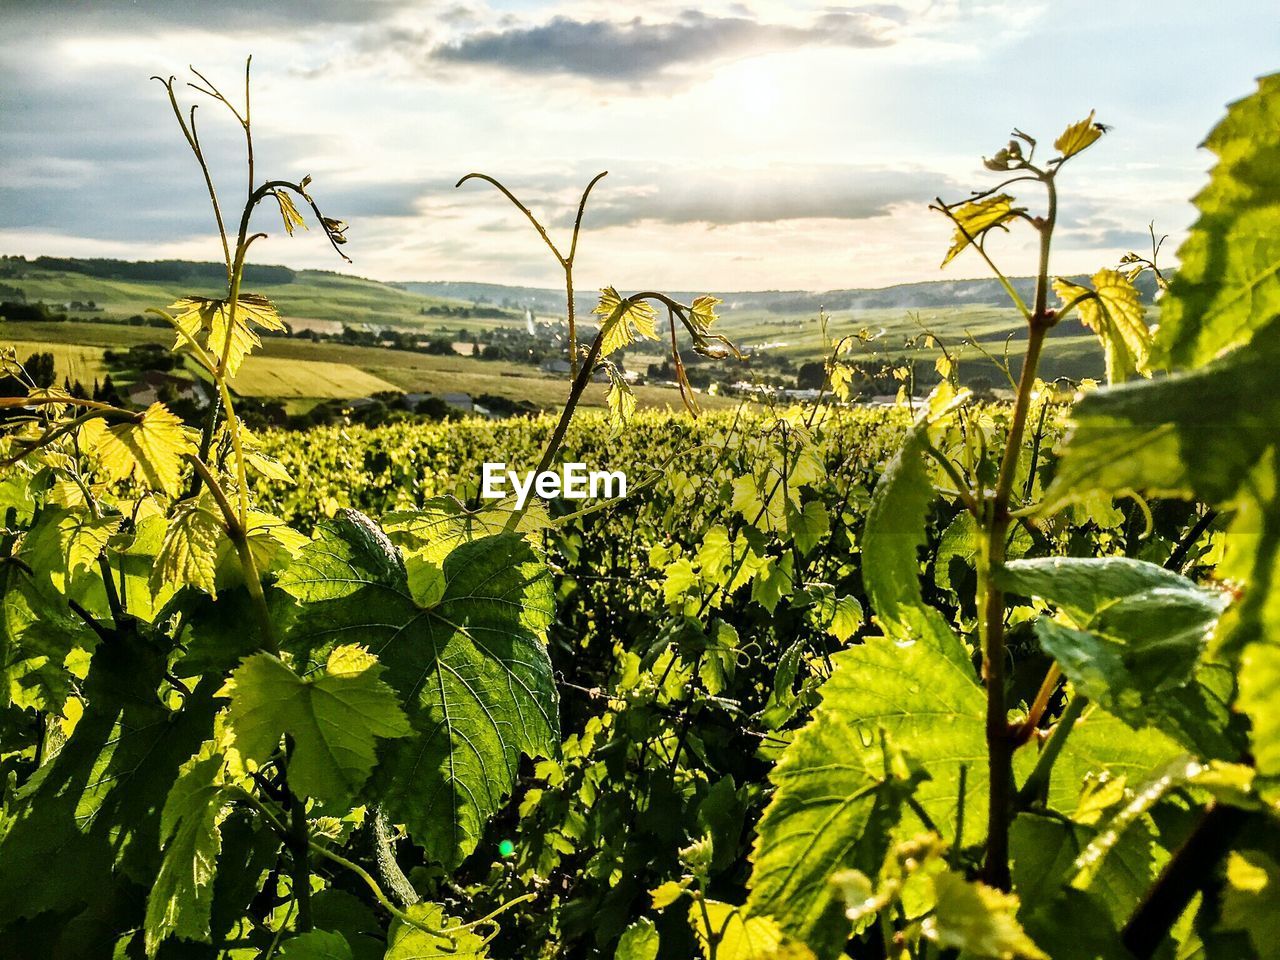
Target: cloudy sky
749	145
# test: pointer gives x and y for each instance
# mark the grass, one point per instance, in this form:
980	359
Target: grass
304	379
70	360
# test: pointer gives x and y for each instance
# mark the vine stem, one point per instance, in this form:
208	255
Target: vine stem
1037	782
1001	738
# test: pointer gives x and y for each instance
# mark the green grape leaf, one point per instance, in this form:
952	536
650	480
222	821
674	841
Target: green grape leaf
837	793
623	325
773	582
1045	850
472	671
975	218
334	718
740	937
37	633
978	920
1260	700
289	212
838	616
405	942
149	448
621	402
1078	136
64	544
1115	313
1138	630
425	579
1101	743
91	816
702	312
316	945
639	941
182	896
893	536
211	325
444	523
1228	281
809	525
189	554
1190	434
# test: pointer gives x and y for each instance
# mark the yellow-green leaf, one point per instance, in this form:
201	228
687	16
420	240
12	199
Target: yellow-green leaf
622	326
149	449
1076	137
189	553
210	322
289	213
334	717
739	937
1115	313
975	218
622	405
979	921
702	312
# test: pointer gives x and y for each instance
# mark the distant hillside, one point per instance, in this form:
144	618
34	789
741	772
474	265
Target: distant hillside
904	296
326	300
119	289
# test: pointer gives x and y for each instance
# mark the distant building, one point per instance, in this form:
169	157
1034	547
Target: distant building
154	382
560	367
459	401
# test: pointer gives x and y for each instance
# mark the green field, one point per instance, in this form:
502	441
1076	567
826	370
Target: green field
71	360
302	370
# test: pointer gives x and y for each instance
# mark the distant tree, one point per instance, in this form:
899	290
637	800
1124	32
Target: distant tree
811	375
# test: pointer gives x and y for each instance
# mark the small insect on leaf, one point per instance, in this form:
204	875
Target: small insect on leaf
1078	136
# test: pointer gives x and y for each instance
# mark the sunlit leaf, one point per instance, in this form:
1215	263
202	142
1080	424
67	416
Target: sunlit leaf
1115	314
209	322
149	448
288	212
975	218
335	719
1228	281
1078	136
622	326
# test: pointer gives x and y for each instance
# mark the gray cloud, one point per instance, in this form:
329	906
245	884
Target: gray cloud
671	195
66	16
637	50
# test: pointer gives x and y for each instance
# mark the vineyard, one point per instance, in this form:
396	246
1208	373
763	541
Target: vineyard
948	679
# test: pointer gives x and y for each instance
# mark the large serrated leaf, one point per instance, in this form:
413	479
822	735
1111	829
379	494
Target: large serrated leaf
471	670
895	531
182	896
834	803
333	718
